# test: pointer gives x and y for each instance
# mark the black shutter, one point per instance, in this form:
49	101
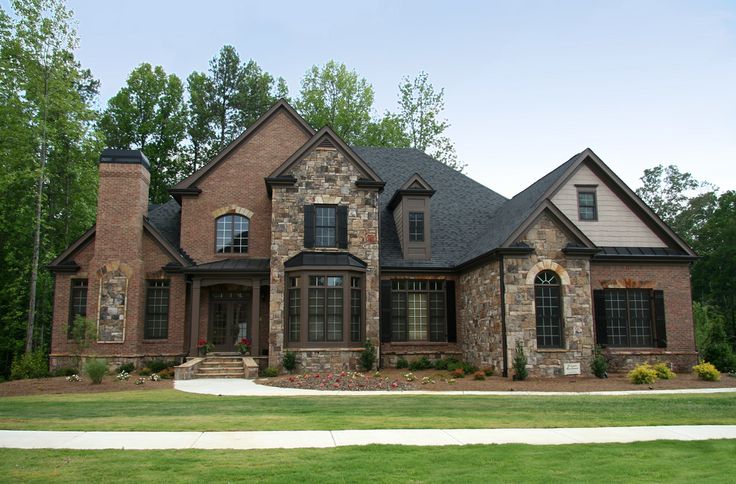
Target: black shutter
450	302
660	329
385	301
309	226
342	227
599	302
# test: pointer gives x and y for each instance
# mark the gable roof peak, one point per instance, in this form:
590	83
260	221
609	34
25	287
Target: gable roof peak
279	106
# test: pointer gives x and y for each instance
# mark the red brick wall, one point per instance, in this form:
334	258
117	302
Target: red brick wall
674	280
239	180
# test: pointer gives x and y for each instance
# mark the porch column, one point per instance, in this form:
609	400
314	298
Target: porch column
196	286
255	322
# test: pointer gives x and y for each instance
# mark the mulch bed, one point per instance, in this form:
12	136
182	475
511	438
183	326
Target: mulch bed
433	380
56	385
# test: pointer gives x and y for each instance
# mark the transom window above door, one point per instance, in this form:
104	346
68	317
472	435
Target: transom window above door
232	234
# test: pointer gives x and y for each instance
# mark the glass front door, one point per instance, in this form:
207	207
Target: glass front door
229	318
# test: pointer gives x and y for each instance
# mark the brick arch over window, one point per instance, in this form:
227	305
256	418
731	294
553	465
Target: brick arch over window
232	209
547	265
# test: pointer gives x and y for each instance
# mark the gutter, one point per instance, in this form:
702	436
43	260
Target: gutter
504	339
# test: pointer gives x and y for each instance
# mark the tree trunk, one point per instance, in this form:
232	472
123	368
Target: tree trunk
37	222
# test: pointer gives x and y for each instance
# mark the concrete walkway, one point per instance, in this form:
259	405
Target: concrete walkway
21	439
242	387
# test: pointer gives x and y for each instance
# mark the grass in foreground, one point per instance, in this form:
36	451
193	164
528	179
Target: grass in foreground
705	461
173	410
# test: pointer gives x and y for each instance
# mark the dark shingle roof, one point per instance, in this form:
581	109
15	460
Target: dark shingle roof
458	207
260	266
166	217
513	213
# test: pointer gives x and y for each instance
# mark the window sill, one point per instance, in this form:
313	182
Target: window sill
552	350
232	256
419	343
154	341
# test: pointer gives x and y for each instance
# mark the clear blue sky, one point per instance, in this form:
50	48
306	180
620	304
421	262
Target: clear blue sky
528	84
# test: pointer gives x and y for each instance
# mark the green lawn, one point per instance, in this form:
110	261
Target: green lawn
173	410
705	461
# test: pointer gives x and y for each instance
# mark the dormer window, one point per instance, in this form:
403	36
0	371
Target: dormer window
232	234
410	207
416	226
587	203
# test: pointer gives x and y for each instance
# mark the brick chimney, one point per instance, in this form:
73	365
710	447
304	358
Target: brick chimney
122	202
117	277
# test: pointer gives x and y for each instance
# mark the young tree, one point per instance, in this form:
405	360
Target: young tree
149	114
200	119
420	110
224	96
388	131
335	96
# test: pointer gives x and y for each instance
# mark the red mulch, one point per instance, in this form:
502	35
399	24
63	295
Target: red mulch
435	380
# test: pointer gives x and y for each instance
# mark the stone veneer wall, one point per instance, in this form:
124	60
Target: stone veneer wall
479	316
323	176
548	239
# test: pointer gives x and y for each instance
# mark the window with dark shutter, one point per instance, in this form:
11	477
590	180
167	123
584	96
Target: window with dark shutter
342	227
309	226
626	318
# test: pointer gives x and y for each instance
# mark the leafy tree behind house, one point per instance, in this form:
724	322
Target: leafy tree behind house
149	114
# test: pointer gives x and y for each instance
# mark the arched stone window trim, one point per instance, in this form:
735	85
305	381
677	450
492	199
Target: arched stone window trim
547	265
232	209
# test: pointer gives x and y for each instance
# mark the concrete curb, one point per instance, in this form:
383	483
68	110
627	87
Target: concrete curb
242	387
21	439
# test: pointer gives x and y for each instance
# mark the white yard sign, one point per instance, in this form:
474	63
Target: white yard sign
571	369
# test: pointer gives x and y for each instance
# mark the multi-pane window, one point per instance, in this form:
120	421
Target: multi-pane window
356	309
325	226
629	317
418	311
232	234
587	208
548	310
157	310
295	301
416	226
77	303
325	308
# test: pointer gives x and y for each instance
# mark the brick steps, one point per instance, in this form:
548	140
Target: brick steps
221	367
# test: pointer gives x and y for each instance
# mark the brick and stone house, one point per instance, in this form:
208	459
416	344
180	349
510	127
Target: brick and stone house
301	243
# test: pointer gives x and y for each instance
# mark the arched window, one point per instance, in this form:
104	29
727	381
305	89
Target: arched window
232	234
549	310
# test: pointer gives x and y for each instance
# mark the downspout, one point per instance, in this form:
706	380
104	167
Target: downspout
504	342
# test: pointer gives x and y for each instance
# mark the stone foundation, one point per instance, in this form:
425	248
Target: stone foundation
327	360
390	353
66	361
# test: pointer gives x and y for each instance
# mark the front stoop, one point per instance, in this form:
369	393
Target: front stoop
221	367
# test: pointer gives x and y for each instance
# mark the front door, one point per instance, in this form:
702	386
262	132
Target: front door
229	319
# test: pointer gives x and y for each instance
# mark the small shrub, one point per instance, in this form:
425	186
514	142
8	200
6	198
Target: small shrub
458	373
664	372
599	364
401	363
65	371
410	376
479	375
123	376
642	374
96	370
166	374
271	372
125	367
468	368
453	364
29	365
140	381
154	377
368	356
707	371
145	371
158	364
488	371
73	378
519	364
422	363
289	361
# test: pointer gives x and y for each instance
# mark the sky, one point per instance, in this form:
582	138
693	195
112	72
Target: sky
527	84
